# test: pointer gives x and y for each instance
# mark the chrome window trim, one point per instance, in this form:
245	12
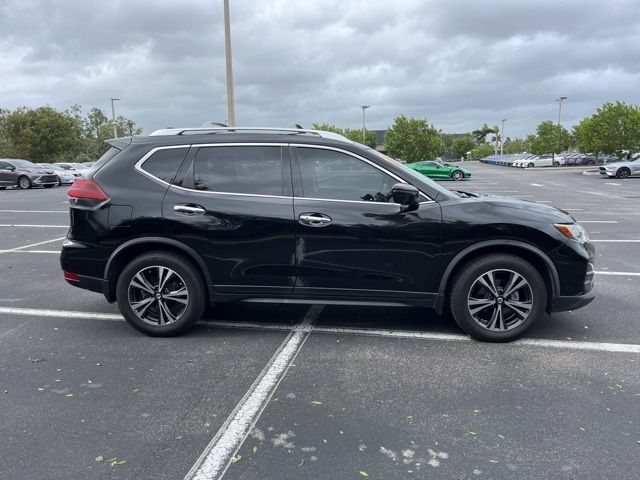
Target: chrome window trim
138	166
355	155
230	193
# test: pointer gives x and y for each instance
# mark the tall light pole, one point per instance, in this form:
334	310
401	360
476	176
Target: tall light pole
559	100
364	126
502	137
113	116
227	48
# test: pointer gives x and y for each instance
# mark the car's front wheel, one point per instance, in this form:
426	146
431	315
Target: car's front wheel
457	175
161	294
497	297
24	183
623	172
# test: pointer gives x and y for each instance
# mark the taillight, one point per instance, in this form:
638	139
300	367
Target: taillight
86	194
72	277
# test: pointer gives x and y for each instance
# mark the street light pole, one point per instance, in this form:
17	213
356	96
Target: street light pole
502	137
364	126
559	100
227	47
113	116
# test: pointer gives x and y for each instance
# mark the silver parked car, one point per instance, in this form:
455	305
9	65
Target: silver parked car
25	174
622	169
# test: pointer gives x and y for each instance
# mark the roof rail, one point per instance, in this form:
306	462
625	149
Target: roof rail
284	131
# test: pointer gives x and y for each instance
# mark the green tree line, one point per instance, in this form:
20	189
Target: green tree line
48	135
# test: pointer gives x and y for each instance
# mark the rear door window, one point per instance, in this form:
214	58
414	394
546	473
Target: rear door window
255	170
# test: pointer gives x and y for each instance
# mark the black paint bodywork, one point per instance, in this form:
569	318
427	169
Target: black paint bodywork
253	247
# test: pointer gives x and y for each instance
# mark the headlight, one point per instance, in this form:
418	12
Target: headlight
573	231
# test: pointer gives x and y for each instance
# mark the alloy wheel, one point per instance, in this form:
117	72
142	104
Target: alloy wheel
457	176
24	183
500	300
158	295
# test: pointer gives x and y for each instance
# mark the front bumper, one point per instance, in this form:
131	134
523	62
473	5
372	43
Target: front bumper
564	304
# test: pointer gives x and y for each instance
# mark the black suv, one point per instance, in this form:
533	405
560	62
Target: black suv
165	223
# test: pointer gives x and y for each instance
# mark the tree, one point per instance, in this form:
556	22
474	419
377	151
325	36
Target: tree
355	135
481	151
481	134
462	145
549	138
413	139
613	130
40	135
517	145
48	135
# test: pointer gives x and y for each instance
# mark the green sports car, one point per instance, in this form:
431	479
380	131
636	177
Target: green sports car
436	169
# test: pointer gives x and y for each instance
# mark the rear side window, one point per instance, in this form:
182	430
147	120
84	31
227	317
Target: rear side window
164	163
258	170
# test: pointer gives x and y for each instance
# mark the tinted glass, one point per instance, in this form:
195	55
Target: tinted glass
164	163
328	174
4	165
24	164
255	170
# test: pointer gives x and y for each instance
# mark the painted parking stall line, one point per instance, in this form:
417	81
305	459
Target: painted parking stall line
34	211
32	245
216	458
372	332
32	226
621	274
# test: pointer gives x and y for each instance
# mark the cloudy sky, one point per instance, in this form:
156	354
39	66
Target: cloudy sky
457	63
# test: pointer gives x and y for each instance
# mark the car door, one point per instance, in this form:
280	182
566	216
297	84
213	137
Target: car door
7	173
233	205
352	240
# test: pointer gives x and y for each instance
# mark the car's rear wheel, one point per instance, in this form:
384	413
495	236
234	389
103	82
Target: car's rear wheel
556	163
531	165
24	183
161	294
457	175
623	173
498	297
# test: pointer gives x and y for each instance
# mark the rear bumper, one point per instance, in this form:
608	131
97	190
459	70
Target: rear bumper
564	304
88	283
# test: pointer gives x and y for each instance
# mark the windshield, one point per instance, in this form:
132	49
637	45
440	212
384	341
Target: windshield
412	173
24	164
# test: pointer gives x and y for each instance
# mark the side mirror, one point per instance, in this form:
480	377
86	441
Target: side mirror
406	195
10	168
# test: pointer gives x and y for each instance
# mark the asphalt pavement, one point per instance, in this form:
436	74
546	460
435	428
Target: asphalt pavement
333	392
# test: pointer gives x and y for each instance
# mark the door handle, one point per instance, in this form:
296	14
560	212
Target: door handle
314	219
189	209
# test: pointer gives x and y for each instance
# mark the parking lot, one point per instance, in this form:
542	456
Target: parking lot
326	392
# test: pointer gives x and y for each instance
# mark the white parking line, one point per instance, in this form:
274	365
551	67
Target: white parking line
33	226
543	201
536	185
215	459
32	245
597	221
622	274
614	241
31	251
375	332
572	209
611	183
34	211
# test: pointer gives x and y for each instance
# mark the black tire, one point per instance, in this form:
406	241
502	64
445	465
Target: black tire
623	172
457	175
24	183
59	184
556	164
531	165
47	186
188	275
467	279
2	188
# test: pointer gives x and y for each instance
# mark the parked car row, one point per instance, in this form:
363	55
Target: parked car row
528	160
23	174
